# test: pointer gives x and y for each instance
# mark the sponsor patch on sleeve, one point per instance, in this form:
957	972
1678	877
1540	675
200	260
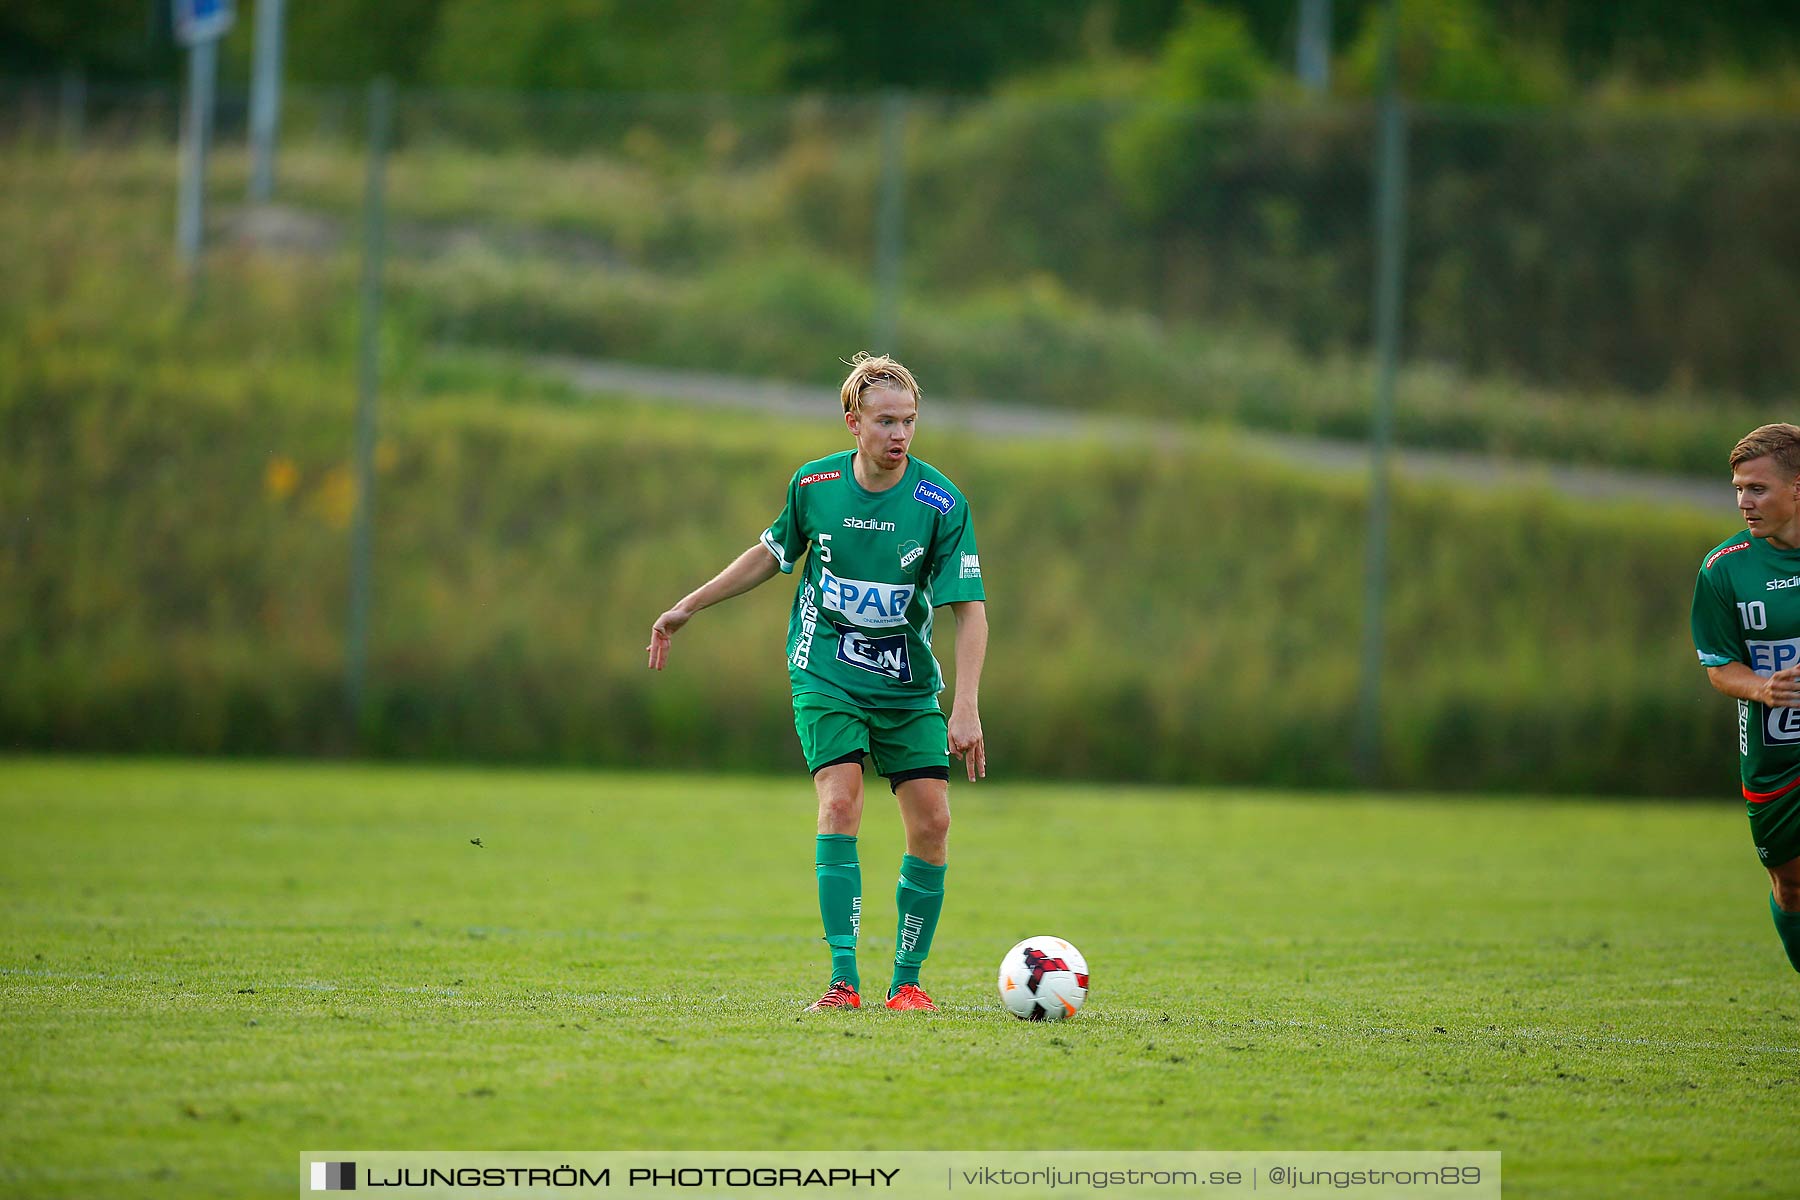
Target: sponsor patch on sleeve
971	566
820	477
930	493
1722	551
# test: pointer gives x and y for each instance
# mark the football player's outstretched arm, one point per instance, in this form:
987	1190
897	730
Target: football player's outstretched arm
753	567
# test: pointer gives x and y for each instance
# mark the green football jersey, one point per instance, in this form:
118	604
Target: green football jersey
879	562
1747	609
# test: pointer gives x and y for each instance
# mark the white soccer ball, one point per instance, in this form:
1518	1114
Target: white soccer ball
1043	979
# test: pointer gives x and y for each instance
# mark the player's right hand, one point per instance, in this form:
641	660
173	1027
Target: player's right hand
665	628
1783	689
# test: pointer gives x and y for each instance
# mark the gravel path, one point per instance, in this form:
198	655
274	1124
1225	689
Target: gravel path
1021	421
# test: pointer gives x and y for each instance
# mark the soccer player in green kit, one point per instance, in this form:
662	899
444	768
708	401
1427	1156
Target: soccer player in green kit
1746	622
886	539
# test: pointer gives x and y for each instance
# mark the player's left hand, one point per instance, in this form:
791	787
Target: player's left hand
967	744
660	633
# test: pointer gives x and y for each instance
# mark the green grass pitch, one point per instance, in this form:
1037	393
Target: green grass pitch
208	968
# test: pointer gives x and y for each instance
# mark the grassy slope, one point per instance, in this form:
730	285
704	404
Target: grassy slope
209	968
167	592
171	597
594	255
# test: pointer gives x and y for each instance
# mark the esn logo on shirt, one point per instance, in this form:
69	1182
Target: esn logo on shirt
882	655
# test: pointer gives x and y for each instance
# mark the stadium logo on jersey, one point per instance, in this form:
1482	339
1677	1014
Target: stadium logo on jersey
930	493
863	602
1766	658
877	526
971	566
821	477
885	656
1775	585
909	554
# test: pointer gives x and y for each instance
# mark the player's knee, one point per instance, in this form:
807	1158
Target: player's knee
1787	894
932	827
839	814
937	826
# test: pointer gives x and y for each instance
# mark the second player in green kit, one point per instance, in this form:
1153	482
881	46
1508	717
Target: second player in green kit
880	541
1746	627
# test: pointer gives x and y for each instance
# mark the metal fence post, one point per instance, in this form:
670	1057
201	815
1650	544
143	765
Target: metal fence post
265	100
203	69
890	221
1390	236
1312	49
356	649
71	109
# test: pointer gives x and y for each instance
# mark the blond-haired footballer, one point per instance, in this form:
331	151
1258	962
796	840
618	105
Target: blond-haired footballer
887	540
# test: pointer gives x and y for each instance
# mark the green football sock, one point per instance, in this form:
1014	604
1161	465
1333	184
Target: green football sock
1787	924
920	898
840	901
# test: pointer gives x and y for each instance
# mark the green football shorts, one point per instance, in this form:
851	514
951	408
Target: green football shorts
910	740
1775	828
